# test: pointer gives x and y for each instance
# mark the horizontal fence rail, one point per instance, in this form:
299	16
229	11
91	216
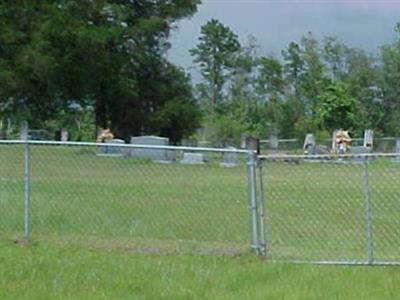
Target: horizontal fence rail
332	209
144	198
380	145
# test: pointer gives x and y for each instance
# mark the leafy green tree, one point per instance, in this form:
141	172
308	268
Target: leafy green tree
293	63
387	91
241	98
337	108
362	77
333	53
270	88
305	80
270	81
215	55
312	81
108	51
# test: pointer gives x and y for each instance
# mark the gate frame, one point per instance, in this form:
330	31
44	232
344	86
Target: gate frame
368	221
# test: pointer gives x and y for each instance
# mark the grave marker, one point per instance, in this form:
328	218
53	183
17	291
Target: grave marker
229	159
106	150
309	144
23	133
194	159
157	155
397	151
368	138
273	142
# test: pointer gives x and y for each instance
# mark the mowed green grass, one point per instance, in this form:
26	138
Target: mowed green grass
111	228
317	211
77	196
314	211
48	272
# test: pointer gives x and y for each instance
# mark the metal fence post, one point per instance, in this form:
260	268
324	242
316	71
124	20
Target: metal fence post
263	242
26	183
368	213
252	188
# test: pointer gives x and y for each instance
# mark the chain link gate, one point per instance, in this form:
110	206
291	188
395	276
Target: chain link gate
330	209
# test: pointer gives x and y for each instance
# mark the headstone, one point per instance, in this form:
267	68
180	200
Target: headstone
360	150
61	135
229	159
309	144
334	146
321	150
273	142
64	135
397	146
40	135
23	133
194	159
113	150
368	138
157	155
356	150
397	158
106	150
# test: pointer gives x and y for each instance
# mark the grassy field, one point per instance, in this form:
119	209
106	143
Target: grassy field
118	228
315	211
48	272
77	196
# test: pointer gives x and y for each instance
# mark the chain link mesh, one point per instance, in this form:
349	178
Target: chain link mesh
11	191
331	209
80	197
327	209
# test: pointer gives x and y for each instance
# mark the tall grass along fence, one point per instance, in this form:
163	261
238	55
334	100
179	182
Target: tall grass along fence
151	199
178	200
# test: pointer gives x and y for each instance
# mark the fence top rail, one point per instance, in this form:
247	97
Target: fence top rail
325	156
139	146
330	140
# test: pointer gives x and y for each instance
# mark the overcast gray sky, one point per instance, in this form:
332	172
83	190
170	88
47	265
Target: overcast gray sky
359	23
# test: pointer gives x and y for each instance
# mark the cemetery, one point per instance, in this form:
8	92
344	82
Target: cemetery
340	144
149	151
152	199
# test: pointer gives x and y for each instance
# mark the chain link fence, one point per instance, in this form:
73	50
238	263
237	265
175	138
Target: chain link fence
331	209
142	198
179	200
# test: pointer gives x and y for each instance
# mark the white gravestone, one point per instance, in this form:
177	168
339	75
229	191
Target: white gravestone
23	134
368	138
157	155
64	135
334	146
309	144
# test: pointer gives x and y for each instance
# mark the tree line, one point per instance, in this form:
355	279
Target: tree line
83	64
313	86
